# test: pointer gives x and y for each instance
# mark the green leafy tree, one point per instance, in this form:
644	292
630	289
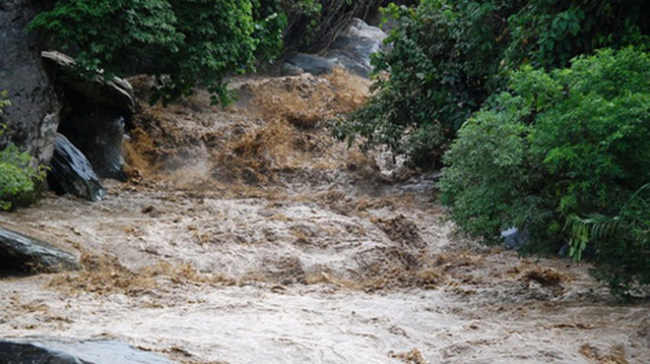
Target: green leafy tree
183	42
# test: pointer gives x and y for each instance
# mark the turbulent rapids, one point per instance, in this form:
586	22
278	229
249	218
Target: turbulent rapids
249	235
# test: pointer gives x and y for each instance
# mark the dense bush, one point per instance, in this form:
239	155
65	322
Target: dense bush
190	41
556	148
17	175
449	56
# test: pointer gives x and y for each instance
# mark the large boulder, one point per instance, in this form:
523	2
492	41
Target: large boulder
113	94
71	172
82	352
351	50
33	115
96	112
20	353
21	252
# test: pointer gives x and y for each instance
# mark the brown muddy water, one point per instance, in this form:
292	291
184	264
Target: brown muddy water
250	236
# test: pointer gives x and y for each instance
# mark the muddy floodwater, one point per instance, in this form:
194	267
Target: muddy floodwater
249	235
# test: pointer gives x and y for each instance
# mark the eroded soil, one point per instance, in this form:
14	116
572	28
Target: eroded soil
250	236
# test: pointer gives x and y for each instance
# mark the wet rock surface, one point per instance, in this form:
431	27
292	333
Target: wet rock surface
309	63
351	50
71	172
354	47
21	252
22	353
115	94
84	352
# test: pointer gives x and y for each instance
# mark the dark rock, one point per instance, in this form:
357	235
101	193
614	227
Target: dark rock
72	171
100	139
350	64
24	253
354	47
84	352
21	353
310	63
33	116
514	239
115	93
97	110
289	69
351	50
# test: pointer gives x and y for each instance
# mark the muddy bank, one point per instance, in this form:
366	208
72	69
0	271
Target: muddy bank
250	235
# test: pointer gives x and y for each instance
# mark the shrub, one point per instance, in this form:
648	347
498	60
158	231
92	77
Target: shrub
17	174
558	146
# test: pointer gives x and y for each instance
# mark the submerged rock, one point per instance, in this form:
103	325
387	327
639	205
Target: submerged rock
21	252
308	63
73	173
84	352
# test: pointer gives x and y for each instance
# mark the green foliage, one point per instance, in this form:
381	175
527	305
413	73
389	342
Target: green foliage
217	40
547	33
114	35
441	68
449	57
561	148
183	42
17	175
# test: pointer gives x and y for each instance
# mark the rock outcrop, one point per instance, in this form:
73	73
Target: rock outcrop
96	111
71	172
351	50
20	353
83	352
21	252
33	116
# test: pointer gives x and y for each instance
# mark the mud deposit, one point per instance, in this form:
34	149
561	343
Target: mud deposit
250	236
